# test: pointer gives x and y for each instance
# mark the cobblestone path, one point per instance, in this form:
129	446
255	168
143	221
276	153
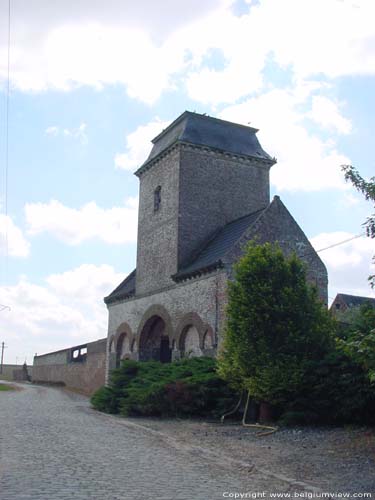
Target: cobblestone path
54	446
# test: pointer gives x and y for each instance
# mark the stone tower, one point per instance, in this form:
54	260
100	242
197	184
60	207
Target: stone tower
201	174
204	194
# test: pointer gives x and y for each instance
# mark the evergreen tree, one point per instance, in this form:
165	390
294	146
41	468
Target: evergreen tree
276	324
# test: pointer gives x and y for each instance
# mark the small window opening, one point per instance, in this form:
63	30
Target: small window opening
157	198
337	306
78	354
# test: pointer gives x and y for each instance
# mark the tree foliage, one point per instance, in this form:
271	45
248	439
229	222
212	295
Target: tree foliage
275	325
367	188
359	340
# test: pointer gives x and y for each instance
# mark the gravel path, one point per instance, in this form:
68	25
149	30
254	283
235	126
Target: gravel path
53	446
334	459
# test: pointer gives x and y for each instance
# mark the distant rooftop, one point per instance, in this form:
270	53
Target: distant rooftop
206	131
354	300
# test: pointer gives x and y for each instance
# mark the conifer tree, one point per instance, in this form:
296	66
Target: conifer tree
275	324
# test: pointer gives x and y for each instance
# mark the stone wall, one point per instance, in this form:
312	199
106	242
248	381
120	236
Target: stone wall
215	189
158	230
200	303
8	372
201	191
276	225
75	368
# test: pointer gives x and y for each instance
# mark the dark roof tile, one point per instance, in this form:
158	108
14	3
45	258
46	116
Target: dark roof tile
355	300
202	130
214	251
125	289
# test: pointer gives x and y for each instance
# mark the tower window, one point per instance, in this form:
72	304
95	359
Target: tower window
157	198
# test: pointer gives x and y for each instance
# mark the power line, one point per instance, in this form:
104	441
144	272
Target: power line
341	242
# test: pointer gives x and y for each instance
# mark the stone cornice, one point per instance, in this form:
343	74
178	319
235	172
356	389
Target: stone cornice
246	159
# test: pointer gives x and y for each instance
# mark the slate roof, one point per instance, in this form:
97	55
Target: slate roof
354	300
202	130
125	289
214	251
208	258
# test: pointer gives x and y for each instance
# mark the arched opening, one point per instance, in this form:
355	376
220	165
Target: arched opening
189	342
112	346
208	341
122	348
154	343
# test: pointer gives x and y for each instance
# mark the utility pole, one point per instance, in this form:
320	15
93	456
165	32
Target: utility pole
2	356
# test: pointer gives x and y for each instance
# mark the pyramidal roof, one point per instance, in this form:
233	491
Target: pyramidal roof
206	131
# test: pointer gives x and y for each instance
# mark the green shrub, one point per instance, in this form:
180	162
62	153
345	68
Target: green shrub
189	387
335	390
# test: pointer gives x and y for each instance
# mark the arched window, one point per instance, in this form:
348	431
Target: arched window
157	198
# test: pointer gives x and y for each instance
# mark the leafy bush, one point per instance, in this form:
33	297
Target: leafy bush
335	390
190	387
358	338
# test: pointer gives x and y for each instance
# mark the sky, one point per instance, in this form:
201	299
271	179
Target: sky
91	83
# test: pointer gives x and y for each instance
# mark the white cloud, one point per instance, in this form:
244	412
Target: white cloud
138	145
326	113
305	161
286	31
92	43
12	240
53	130
78	133
66	310
116	225
348	264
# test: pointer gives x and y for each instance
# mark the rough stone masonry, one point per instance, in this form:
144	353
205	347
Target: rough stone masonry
204	194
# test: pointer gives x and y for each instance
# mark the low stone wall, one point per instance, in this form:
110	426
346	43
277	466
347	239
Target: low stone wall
81	368
13	372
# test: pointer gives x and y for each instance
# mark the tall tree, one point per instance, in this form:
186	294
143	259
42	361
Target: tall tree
275	325
367	188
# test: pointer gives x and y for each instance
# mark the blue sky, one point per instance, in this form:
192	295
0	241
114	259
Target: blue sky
91	83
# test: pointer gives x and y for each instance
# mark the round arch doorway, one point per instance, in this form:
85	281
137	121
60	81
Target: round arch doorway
154	342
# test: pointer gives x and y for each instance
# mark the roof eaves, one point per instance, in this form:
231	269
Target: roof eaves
148	163
118	298
182	276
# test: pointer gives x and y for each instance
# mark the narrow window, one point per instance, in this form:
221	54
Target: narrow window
157	198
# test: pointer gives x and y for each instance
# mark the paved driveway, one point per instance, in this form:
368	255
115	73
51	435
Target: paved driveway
53	446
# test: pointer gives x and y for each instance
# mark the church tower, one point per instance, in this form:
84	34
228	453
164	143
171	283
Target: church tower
201	174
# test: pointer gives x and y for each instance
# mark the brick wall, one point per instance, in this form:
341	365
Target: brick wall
85	375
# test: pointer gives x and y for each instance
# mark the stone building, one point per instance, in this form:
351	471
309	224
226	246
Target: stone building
343	302
204	193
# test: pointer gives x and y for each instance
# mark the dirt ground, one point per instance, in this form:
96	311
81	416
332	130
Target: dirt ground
332	459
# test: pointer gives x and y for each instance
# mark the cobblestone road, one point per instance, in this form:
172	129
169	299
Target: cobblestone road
53	446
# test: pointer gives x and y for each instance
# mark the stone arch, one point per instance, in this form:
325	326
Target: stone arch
111	344
193	336
156	310
190	344
133	347
208	339
155	335
190	319
123	341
